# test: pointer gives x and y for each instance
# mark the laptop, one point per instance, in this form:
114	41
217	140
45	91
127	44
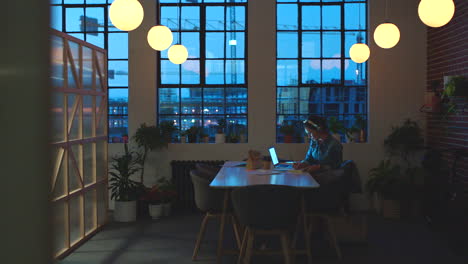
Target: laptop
275	161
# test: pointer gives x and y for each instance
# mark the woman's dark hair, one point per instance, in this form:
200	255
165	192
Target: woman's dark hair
316	123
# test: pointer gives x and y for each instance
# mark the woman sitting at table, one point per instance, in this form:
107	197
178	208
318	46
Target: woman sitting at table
325	152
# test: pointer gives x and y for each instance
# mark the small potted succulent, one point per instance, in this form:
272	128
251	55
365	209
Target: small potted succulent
192	134
335	127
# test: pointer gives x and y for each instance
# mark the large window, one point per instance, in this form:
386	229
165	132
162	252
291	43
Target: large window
315	74
210	86
88	20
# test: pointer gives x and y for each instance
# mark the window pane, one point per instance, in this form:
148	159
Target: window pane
73	1
311	45
236	100
96	39
169	101
169	72
310	101
311	17
73	19
213	100
235	45
311	71
287	101
355	73
215	18
118	73
331	17
118	127
353	37
286	72
286	17
235	18
191	72
191	101
331	71
235	72
214	72
352	14
56	17
191	40
169	17
94	19
287	44
190	18
190	121
332	44
118	101
118	46
215	45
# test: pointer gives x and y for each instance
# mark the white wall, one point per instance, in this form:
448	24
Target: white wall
396	89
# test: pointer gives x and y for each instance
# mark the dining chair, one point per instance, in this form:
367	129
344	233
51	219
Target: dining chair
209	201
266	210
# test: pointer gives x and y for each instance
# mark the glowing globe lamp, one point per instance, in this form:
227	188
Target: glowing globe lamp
359	52
387	35
160	37
177	54
126	15
436	13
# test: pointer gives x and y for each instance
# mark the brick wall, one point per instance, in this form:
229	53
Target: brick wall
447	54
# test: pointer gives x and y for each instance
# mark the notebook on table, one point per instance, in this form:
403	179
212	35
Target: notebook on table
276	164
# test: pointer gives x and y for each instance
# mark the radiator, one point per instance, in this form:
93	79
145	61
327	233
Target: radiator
185	200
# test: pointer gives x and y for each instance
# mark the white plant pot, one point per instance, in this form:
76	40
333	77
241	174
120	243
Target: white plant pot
220	138
156	211
166	209
125	211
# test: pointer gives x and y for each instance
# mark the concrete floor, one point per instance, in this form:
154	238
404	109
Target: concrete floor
171	240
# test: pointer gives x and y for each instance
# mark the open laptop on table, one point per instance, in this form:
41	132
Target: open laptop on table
276	164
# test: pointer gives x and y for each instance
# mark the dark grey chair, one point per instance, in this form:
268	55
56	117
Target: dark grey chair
266	209
210	201
331	199
207	170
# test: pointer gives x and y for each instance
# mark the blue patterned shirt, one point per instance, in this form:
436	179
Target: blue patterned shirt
328	153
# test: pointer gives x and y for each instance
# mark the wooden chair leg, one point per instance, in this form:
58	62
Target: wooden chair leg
250	240
332	234
235	226
243	246
200	237
285	247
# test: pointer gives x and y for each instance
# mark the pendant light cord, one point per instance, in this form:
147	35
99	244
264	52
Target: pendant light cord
179	20
386	10
159	13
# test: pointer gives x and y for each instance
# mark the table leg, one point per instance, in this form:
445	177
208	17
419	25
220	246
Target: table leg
221	228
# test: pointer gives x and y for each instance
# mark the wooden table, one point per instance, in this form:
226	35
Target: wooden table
231	176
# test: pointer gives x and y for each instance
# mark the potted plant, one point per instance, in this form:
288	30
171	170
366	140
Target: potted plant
148	138
204	137
361	123
192	134
352	134
168	194
399	180
288	132
167	130
335	127
232	138
124	190
454	86
183	136
153	198
220	137
242	134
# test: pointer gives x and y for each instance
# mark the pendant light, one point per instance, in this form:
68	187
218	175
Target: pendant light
126	15
178	53
359	52
387	34
159	37
436	13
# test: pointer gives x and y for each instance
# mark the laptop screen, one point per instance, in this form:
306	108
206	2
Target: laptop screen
274	157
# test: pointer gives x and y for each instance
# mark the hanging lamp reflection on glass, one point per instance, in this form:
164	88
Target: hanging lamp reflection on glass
160	37
177	54
387	35
359	52
126	15
436	13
